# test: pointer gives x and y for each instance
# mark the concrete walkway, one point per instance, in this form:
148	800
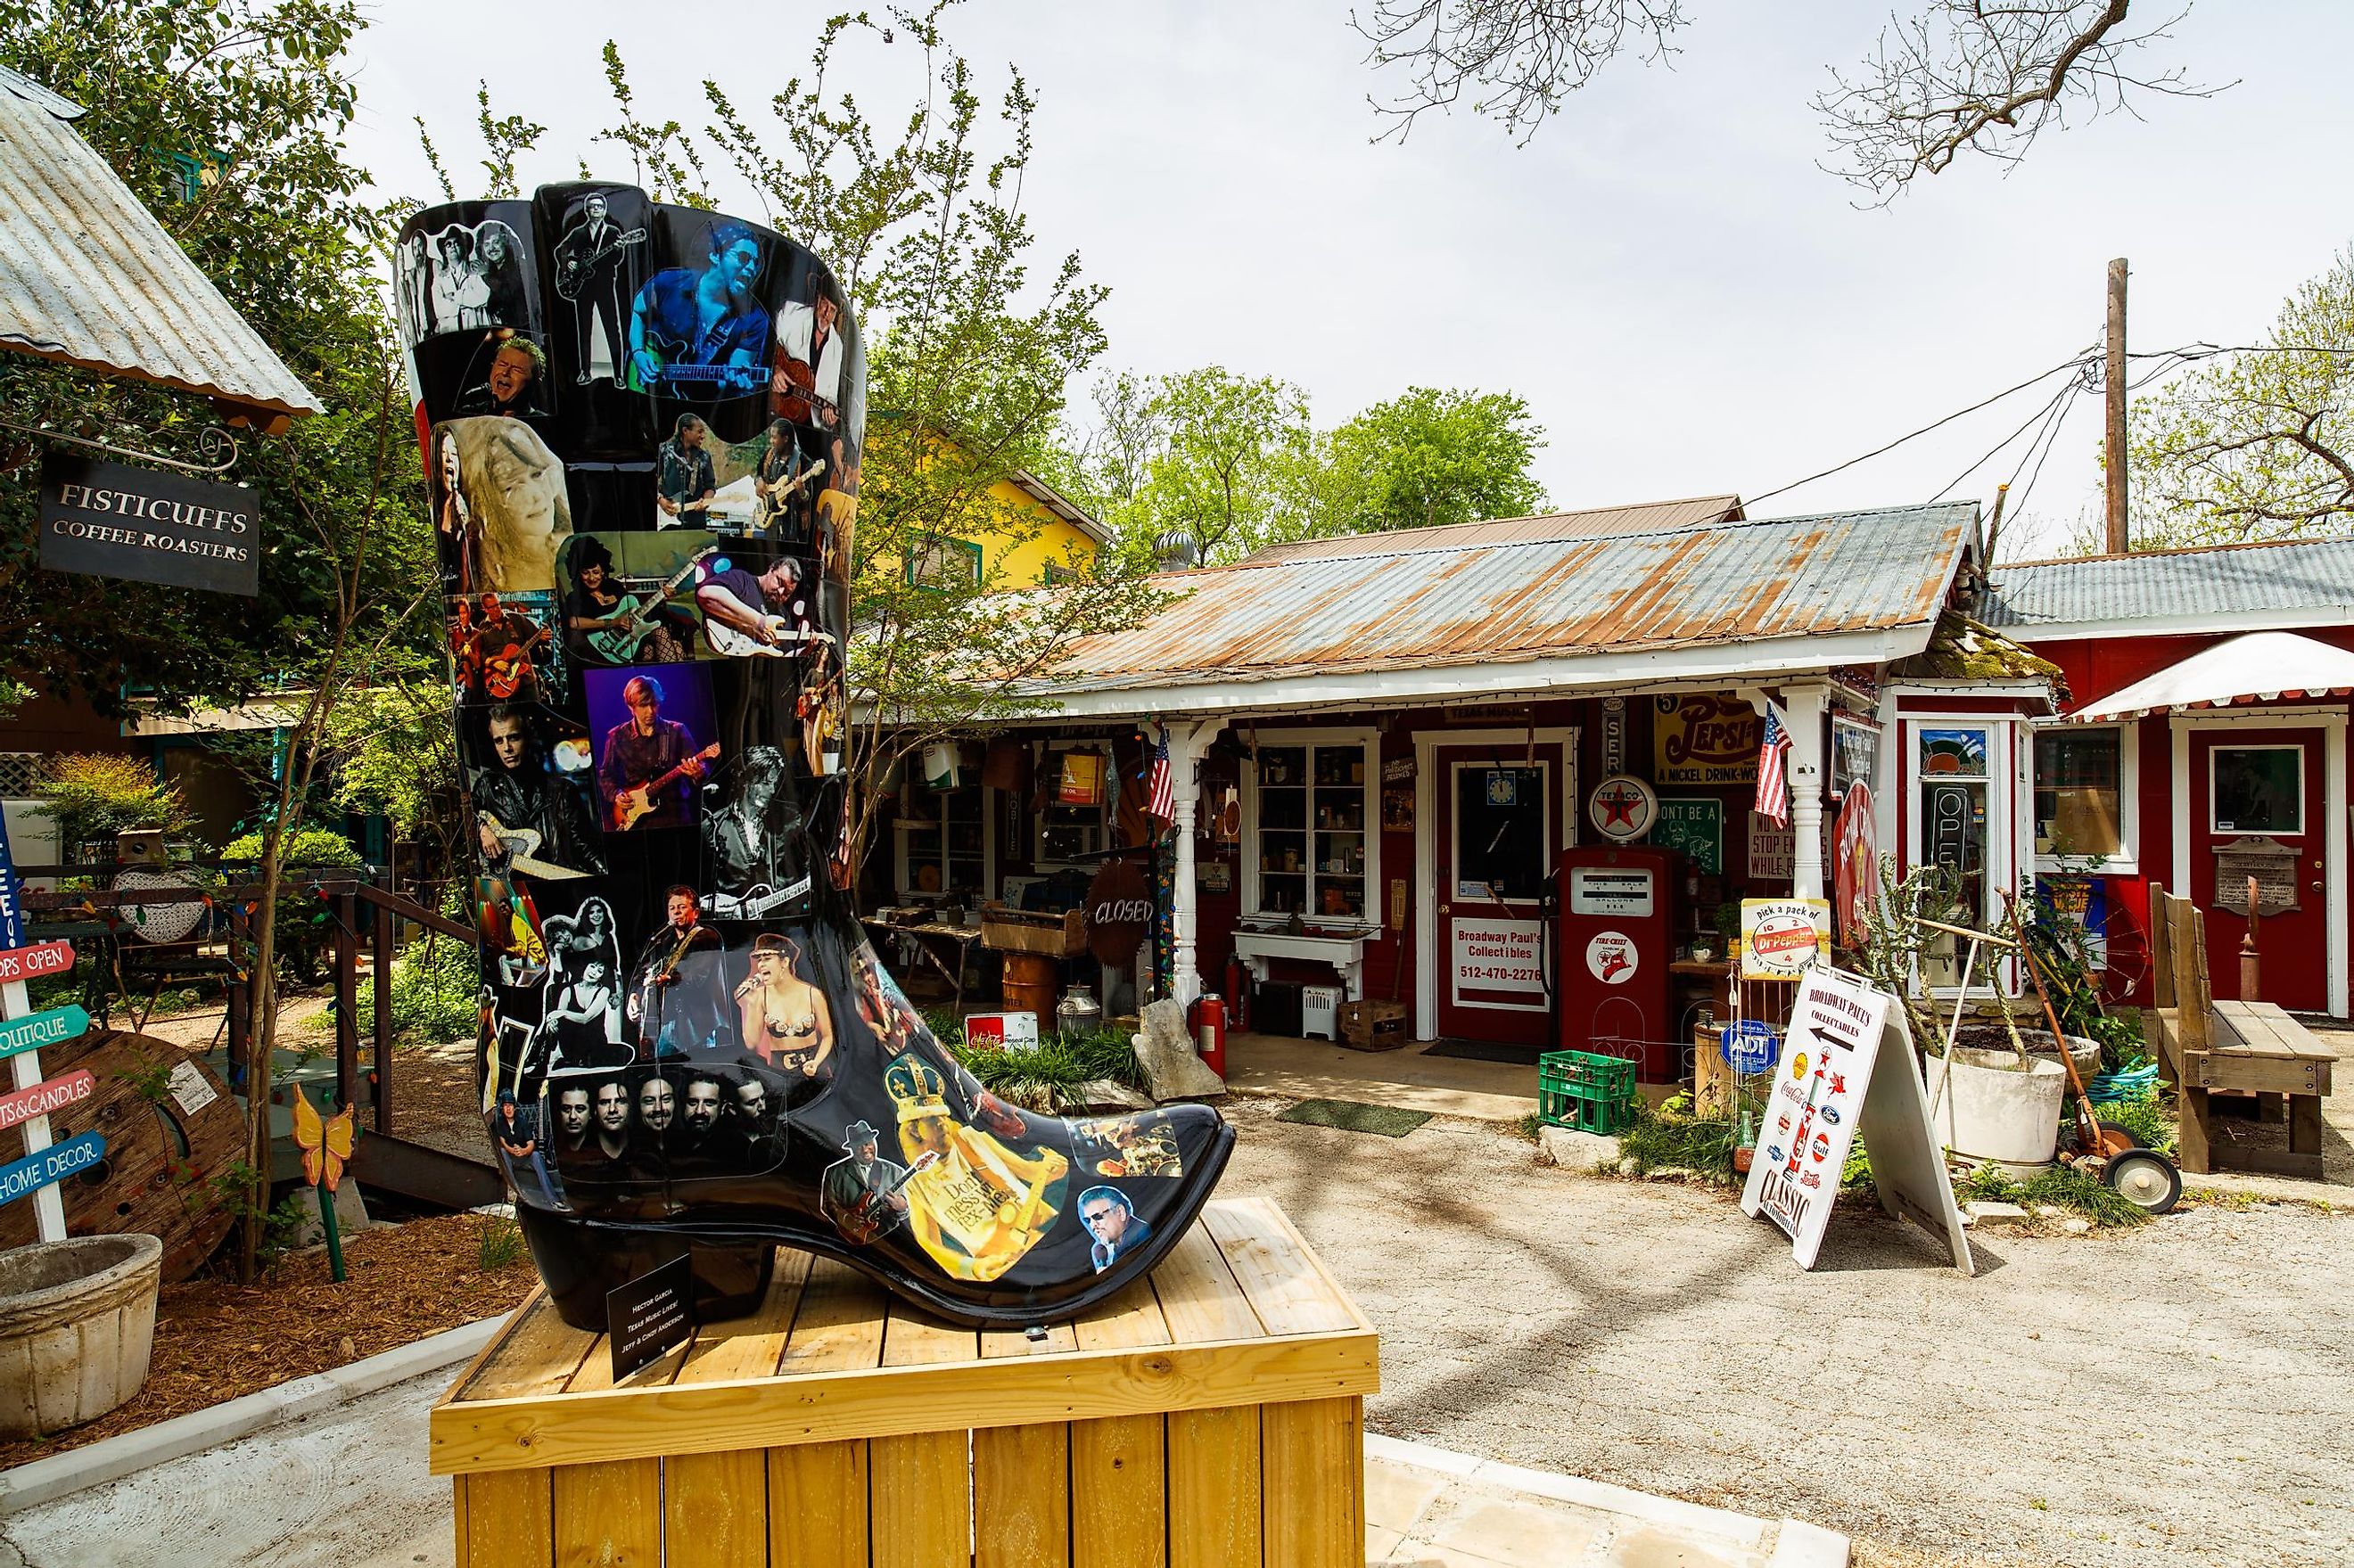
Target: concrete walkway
347	1487
1442	1085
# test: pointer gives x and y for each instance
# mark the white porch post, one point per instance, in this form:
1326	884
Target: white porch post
1186	745
1802	709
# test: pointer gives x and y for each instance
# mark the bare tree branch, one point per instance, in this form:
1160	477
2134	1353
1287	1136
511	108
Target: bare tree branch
1988	76
1518	59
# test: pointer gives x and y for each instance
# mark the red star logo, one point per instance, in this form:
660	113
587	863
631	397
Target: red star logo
1619	806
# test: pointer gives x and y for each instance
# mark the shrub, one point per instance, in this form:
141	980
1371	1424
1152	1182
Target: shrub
313	846
436	991
93	795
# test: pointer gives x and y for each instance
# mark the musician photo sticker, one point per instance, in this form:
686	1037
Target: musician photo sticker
656	740
513	377
463	278
597	263
508	923
755	861
504	646
698	329
622	593
500	508
770	613
532	814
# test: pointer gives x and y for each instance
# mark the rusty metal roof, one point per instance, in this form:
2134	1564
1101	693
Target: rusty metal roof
1404	604
1591	522
88	276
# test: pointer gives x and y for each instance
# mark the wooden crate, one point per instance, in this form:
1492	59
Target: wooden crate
1028	931
1374	1025
1212	1417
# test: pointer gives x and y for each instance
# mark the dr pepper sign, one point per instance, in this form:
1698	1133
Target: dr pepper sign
1780	938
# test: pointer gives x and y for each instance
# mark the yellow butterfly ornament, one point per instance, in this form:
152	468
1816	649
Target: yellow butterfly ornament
325	1145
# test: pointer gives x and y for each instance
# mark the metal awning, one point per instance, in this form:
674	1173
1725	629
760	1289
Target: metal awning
2258	667
89	277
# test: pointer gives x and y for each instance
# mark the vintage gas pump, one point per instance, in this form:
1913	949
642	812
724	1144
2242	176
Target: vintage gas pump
1616	936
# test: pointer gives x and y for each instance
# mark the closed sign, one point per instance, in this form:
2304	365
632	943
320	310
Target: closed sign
1120	913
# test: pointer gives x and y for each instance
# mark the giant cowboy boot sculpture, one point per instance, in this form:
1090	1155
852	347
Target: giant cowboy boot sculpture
642	437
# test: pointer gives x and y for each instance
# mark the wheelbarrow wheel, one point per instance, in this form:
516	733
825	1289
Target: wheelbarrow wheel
2147	1178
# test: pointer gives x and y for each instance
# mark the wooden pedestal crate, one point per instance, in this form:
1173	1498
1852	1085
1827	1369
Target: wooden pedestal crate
1210	1416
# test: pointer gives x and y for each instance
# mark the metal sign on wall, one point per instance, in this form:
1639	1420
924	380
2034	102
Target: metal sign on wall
113	521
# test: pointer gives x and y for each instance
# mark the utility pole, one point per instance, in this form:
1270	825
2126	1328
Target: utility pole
2113	449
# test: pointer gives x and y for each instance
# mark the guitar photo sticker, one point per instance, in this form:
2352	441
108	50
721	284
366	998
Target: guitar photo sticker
503	646
629	597
528	783
656	739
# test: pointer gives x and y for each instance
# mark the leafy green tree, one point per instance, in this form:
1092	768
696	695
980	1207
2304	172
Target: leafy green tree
1430	457
2257	445
226	119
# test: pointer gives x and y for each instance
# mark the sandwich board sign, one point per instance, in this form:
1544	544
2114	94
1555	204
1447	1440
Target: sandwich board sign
1832	1083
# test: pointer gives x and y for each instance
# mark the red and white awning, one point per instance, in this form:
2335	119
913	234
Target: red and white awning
2258	667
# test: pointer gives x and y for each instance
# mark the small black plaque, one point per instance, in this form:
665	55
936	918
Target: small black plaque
650	1316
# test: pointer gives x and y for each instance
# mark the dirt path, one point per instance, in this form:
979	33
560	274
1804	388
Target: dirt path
2181	1393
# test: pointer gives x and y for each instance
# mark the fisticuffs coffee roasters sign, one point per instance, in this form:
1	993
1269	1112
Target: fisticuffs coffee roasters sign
113	521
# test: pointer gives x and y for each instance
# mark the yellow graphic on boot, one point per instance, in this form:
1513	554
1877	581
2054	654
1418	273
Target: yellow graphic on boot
979	1207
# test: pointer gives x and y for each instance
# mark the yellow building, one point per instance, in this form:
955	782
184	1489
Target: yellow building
1053	540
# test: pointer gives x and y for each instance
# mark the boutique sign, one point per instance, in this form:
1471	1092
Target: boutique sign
111	521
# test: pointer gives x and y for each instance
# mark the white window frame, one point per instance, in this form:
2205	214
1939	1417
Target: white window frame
2126	862
2304	807
903	881
1368	743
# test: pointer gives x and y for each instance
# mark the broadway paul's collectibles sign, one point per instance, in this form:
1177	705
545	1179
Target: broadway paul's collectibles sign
111	521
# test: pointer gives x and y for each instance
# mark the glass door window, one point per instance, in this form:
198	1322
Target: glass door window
1951	781
945	854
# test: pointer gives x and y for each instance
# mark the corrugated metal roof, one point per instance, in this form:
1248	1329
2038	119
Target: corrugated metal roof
1591	522
1399	601
2284	580
88	276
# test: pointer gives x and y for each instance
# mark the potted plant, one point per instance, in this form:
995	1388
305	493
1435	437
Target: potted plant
76	1328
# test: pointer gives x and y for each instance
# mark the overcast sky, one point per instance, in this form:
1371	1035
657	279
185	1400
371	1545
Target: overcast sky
1687	303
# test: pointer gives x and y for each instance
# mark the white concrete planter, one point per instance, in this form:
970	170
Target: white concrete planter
1984	1108
1993	1039
77	1325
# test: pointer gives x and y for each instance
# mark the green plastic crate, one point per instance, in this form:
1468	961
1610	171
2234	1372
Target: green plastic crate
1586	1092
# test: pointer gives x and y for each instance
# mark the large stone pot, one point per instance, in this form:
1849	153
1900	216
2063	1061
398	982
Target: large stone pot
77	1325
1985	1108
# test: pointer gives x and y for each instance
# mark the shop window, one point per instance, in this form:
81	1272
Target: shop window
940	562
943	845
1058	574
1950	782
2082	796
1310	852
2256	790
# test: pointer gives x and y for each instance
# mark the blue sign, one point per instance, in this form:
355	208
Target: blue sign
36	1030
1749	1045
12	894
55	1164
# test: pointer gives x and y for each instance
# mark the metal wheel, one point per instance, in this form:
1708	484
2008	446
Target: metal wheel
2146	1178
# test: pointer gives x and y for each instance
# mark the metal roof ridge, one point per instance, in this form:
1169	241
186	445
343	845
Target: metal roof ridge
2172	552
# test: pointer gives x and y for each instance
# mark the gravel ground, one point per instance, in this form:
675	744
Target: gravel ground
2181	1393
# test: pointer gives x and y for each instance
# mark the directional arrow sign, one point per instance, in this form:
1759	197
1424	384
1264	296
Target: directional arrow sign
31	963
52	1164
36	1030
43	1099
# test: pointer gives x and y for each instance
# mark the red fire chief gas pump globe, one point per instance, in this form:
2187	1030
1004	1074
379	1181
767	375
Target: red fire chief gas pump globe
1613	959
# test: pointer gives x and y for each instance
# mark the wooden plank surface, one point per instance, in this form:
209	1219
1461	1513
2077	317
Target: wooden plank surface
475	1435
1312	1463
1199	1298
1214	1520
2251	1074
536	1355
1119	1481
839	1325
1289	1292
817	1506
505	1520
716	1508
609	1515
919	1501
753	1346
1021	1474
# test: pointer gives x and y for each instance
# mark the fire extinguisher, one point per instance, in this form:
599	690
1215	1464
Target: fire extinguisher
1209	1021
1237	994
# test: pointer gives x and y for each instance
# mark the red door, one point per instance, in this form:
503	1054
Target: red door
2256	796
1498	831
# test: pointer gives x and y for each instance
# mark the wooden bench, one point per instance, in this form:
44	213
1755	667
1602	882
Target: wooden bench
2205	1046
1212	1417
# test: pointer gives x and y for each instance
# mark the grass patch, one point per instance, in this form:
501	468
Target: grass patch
1669	1138
2062	1186
2150	1118
1525	1130
1354	1115
499	1244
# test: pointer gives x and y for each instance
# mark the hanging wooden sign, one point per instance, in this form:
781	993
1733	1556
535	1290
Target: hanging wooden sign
36	1030
33	962
44	1099
21	1177
1120	912
113	521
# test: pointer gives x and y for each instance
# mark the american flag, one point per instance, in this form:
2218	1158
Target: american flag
1773	788
1159	787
